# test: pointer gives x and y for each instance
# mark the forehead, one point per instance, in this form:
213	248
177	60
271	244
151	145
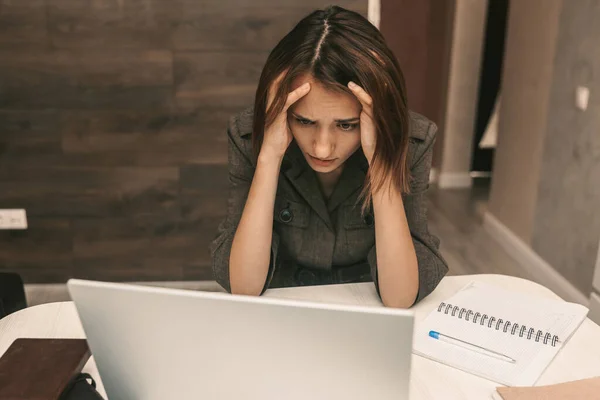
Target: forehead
323	103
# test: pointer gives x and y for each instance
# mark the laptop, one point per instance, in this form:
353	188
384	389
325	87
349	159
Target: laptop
154	343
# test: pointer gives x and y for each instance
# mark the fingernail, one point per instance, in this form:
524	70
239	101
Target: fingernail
306	86
351	85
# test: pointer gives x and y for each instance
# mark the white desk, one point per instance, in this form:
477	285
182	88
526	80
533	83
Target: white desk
580	357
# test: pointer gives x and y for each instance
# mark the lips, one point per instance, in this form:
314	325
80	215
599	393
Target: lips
321	162
320	159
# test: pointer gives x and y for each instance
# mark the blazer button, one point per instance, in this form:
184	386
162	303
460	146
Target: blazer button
369	220
305	277
286	215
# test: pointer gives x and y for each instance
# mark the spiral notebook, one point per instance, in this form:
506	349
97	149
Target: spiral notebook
531	330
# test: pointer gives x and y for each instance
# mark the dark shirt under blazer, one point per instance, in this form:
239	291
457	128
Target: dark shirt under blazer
323	241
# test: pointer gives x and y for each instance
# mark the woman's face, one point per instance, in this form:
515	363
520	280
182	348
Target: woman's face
325	124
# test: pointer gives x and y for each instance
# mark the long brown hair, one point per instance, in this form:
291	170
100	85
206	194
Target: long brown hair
336	46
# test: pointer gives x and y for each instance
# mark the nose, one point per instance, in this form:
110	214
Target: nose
323	144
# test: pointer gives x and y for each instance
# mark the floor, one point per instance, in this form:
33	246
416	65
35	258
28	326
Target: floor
455	216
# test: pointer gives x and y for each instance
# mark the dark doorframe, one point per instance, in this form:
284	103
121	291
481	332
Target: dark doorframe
489	82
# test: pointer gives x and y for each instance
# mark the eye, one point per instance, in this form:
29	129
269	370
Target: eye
304	122
347	126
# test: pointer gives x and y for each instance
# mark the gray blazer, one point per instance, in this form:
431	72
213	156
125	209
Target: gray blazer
318	241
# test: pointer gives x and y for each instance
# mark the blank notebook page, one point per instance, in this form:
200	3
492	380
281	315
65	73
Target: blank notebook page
532	357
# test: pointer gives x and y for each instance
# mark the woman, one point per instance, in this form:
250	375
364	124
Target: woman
328	170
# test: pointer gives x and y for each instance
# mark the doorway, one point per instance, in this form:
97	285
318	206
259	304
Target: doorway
488	102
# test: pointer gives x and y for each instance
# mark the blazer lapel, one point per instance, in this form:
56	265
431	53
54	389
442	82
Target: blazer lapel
351	180
304	180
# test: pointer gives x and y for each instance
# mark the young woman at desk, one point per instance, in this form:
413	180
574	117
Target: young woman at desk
328	171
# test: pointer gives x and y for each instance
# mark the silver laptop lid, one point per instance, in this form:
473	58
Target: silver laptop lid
156	343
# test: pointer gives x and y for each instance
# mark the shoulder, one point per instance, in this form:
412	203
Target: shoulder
421	128
241	123
239	132
422	136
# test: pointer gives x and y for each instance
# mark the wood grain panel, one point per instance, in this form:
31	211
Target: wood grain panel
146	138
196	6
152	201
91	192
217	78
114	24
47	235
135	237
85	79
204	191
23	23
91	67
74	180
201	204
29	126
204	177
152	248
141	268
35	133
43	252
56	95
247	29
49	272
163	246
113	118
178	24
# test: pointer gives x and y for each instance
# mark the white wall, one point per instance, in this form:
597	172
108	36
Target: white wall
463	87
374	12
595	296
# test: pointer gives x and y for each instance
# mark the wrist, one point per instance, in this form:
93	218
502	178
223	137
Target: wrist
386	192
268	158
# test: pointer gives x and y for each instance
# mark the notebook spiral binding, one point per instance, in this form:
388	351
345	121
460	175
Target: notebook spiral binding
498	323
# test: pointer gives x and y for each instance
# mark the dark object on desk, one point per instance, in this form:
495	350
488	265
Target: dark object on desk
12	293
81	389
43	369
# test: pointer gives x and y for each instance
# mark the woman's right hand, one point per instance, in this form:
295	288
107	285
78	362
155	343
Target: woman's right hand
278	135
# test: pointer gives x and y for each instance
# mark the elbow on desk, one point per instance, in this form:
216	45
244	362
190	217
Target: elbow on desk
234	286
392	299
246	286
398	302
229	278
245	290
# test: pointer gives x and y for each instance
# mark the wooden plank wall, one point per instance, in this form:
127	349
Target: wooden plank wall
112	128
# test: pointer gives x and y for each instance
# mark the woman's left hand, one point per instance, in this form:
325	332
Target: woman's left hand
367	125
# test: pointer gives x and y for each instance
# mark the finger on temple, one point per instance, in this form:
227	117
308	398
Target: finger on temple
274	87
296	95
361	94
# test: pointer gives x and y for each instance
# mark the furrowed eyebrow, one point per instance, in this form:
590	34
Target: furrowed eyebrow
301	117
347	120
341	121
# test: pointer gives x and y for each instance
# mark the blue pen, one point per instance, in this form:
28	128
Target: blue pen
470	346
